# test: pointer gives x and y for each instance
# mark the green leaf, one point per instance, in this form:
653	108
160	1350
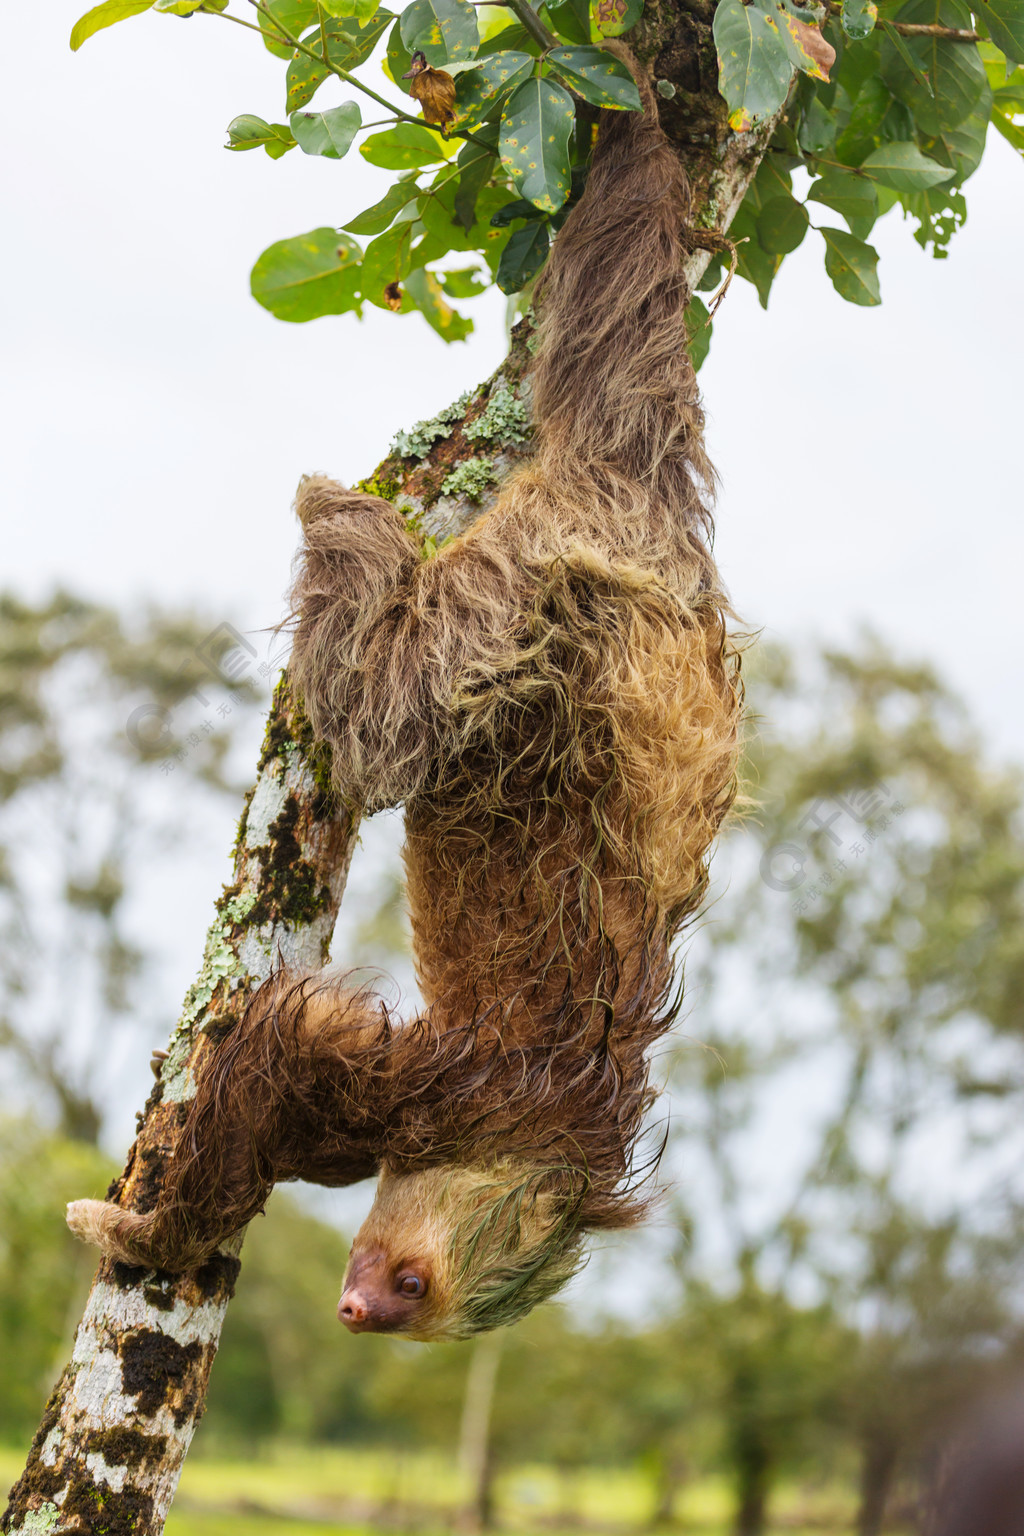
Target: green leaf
519	209
248	132
876	119
490	242
596	76
754	70
859	17
1005	22
1011	131
105	15
904	168
304	77
698	331
514	38
478	89
373	221
185	7
793	38
852	196
362	40
817	130
465	283
962	148
425	291
754	264
781	225
387	260
940	211
475	166
442	231
348	46
362	10
1008	95
308	276
570	19
895	42
444	30
327	133
296	16
772	180
613	17
403	147
399	59
946	80
535	130
854	66
852	266
523	257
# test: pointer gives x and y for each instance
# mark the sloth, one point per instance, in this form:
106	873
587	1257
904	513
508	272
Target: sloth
555	699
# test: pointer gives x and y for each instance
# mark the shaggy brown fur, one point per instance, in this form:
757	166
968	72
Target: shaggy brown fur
554	697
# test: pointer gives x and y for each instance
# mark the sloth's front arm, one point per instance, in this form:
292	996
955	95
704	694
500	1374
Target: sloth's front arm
387	642
301	1089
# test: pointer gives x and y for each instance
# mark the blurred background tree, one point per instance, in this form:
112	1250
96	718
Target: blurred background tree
129	718
859	991
833	1272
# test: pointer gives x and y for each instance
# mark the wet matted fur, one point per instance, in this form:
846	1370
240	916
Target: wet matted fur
555	699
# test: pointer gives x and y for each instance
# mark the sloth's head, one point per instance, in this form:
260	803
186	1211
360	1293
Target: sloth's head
451	1252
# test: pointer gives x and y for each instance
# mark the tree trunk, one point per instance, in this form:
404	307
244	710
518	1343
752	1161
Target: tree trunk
670	1475
752	1509
753	1469
878	1468
109	1451
476	1455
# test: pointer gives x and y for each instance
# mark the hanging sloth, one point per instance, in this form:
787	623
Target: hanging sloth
555	699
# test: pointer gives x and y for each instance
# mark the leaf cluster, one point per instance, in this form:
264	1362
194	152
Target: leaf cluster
495	184
901	122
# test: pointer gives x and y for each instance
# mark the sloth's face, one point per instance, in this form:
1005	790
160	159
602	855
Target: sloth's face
382	1295
453	1251
394	1280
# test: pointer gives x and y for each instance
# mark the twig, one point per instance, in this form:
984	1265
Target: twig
921	28
532	22
711	240
293	42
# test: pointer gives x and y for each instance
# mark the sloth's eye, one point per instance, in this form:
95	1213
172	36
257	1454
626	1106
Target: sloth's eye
412	1285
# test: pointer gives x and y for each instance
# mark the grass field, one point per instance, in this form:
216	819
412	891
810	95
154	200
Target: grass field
297	1491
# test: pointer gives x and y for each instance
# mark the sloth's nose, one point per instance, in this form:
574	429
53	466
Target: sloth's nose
352	1309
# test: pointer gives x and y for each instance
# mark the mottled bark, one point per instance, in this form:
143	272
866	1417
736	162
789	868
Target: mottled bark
109	1451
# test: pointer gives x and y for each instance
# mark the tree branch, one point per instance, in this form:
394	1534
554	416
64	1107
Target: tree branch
532	22
921	28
